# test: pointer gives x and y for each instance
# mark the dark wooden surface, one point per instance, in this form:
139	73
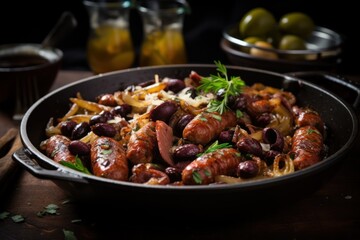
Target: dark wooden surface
330	212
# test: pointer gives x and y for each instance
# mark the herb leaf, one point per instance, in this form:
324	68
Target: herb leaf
78	165
221	82
215	146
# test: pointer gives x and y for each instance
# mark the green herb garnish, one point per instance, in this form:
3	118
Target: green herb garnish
214	146
220	82
78	165
51	209
18	218
69	235
197	177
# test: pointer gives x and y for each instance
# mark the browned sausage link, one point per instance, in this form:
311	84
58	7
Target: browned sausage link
305	116
204	169
306	148
108	159
142	144
56	147
207	126
142	173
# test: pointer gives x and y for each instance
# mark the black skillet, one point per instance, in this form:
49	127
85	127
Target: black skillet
340	118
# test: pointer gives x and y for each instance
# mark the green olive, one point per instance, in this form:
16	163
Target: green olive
258	22
297	23
292	42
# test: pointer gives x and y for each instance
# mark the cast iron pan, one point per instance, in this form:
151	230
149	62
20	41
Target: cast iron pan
339	116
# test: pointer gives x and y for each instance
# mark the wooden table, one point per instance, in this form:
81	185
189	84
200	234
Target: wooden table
331	212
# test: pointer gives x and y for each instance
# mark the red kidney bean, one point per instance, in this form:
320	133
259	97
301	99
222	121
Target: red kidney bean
77	147
97	119
263	119
247	169
104	129
163	111
183	121
186	152
80	130
175	85
240	102
173	173
220	94
107	114
226	136
249	145
67	128
122	110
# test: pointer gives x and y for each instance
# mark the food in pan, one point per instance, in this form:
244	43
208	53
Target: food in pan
193	131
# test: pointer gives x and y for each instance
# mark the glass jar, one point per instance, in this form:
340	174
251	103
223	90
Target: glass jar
163	41
109	45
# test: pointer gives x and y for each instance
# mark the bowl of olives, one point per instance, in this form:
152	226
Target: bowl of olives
291	43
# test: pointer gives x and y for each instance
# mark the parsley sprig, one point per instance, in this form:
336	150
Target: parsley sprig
221	82
78	165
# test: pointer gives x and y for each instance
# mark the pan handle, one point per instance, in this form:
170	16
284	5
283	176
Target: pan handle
334	83
35	169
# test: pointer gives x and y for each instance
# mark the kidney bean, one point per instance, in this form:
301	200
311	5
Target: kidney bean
107	114
249	145
226	136
220	94
263	119
186	152
273	137
80	130
67	128
240	102
270	155
175	85
247	169
77	147
163	111
104	129
183	121
122	110
173	173
192	92
97	119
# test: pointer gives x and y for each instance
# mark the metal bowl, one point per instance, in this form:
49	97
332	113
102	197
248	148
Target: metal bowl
324	52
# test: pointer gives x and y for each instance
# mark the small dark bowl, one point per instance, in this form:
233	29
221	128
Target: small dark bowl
27	72
324	52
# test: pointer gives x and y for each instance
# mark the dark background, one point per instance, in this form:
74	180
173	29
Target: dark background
30	21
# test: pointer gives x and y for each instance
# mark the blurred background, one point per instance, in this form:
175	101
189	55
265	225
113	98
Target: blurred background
30	21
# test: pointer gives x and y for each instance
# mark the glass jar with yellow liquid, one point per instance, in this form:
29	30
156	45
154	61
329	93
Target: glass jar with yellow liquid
163	41
109	45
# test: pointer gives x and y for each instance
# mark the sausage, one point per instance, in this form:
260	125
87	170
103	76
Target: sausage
142	144
145	173
306	116
56	147
108	159
204	169
164	136
206	126
307	144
